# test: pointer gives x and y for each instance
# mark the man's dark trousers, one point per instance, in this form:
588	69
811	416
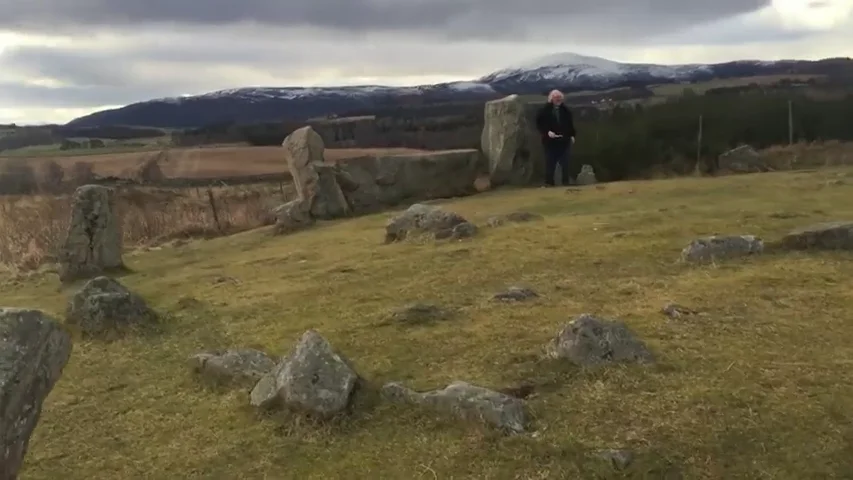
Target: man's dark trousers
558	155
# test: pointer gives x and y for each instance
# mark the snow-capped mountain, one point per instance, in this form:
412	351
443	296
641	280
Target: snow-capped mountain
576	70
567	71
255	94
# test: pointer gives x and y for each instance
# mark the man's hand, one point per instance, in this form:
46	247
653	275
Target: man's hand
552	134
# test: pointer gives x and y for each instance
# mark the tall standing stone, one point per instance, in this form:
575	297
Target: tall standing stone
316	184
33	351
93	245
510	142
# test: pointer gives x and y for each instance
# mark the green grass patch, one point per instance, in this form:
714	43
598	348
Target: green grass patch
758	387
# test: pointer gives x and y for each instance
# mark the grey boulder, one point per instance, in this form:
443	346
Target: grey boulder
313	379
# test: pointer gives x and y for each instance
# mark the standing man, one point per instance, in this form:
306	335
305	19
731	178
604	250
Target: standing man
557	127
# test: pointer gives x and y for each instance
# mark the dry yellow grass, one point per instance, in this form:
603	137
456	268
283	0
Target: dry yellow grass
760	387
32	227
204	162
809	155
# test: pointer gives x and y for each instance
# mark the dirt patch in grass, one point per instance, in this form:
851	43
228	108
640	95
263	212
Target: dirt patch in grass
758	385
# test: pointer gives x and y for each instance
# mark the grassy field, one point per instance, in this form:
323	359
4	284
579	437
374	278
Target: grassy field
201	162
110	147
668	90
758	386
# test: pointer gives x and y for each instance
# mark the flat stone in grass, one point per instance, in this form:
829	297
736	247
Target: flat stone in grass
822	236
514	217
676	311
714	248
617	458
516	294
420	314
243	366
467	402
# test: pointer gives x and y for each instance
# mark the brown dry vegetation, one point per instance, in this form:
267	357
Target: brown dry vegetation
33	227
809	155
203	162
758	387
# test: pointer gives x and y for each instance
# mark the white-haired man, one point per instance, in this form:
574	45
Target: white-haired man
557	127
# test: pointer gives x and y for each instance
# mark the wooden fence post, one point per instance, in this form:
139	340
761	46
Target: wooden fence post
212	202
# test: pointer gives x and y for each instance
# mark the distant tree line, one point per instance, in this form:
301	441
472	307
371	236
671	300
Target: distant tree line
629	141
623	141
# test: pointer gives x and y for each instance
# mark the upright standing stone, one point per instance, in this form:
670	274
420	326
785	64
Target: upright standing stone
33	351
586	176
93	245
316	184
510	142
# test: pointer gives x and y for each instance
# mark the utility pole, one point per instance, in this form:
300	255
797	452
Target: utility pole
790	122
699	143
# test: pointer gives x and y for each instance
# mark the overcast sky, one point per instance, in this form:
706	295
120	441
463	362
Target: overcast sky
63	58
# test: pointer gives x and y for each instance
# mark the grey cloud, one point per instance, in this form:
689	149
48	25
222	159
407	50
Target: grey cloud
16	95
731	32
160	64
581	19
189	61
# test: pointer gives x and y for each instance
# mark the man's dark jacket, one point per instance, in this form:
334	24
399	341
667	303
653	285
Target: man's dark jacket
547	120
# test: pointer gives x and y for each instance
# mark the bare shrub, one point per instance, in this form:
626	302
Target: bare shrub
17	177
82	173
51	176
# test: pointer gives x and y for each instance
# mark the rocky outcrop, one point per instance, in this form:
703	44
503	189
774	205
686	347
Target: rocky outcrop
427	220
467	402
313	379
511	143
244	366
823	236
714	248
33	351
93	244
591	341
105	307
